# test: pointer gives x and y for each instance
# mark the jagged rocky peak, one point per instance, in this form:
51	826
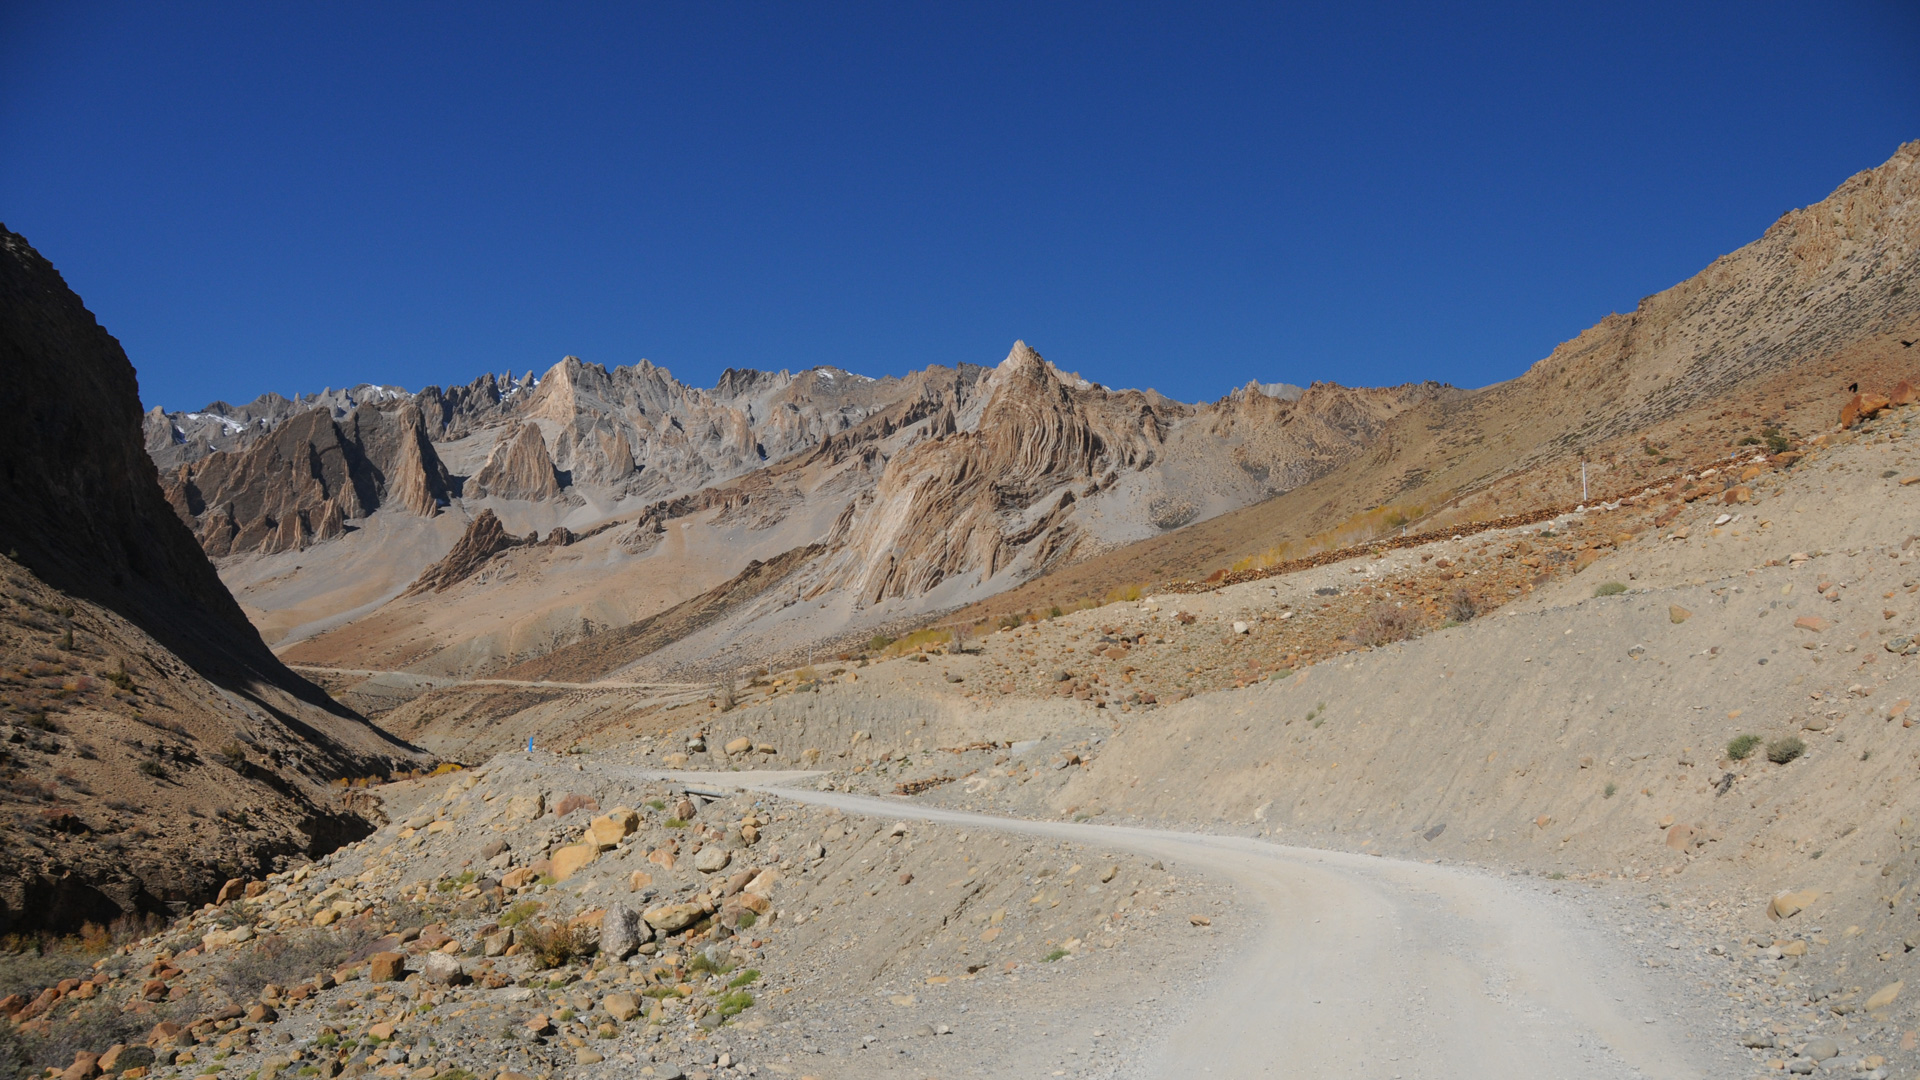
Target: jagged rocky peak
301	481
518	468
176	438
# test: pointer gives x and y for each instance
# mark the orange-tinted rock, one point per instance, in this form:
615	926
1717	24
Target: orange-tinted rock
387	967
1903	394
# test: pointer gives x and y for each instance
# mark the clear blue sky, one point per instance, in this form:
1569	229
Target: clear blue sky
280	197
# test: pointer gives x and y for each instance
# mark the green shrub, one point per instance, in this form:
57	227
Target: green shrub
745	978
1609	588
1781	751
520	913
734	1003
878	642
1611	791
1741	747
1054	955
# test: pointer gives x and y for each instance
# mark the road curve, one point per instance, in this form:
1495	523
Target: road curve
1366	966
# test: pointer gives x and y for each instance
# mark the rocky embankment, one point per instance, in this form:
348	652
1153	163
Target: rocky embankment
550	914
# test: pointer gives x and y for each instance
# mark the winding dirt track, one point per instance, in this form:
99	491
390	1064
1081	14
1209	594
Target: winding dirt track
1367	966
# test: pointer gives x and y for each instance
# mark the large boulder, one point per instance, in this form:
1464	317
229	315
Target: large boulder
609	829
568	860
622	932
440	968
673	918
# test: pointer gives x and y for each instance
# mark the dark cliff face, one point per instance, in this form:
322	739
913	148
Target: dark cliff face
170	701
80	500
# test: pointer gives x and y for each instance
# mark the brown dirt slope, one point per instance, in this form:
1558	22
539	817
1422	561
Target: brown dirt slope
1770	335
602	654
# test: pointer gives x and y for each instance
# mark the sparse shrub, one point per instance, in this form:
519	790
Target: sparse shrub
745	978
153	768
674	823
1461	606
1609	588
1383	624
1612	789
520	913
1054	955
1054	612
922	639
878	642
747	919
1011	622
233	755
1781	751
734	1003
1741	747
286	960
555	945
726	692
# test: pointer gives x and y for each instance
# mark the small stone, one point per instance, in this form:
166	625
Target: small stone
741	745
1811	622
1199	920
906	878
585	1056
1821	1049
1884	996
1679	837
621	1006
1677	614
1241	628
1788	904
495	944
712	859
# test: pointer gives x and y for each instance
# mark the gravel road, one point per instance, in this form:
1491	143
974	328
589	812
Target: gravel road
1375	966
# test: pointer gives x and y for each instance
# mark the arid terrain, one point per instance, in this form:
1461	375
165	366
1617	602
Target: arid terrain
991	722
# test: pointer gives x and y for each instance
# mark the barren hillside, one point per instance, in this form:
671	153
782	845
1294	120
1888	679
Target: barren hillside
154	744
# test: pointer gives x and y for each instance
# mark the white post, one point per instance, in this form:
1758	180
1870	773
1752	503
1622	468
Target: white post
1583	482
